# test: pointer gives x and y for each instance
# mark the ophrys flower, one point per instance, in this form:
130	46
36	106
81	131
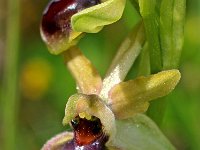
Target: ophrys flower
64	21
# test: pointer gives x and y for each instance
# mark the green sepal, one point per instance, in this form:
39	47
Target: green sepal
93	19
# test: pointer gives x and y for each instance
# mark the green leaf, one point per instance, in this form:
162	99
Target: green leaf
151	23
140	133
129	98
94	18
136	5
144	64
172	16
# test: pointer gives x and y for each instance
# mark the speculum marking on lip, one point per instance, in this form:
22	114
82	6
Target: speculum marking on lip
86	131
88	135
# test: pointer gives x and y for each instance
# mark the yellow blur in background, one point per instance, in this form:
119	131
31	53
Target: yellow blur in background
35	78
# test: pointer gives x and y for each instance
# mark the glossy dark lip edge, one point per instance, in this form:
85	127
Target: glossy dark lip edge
99	144
48	5
46	36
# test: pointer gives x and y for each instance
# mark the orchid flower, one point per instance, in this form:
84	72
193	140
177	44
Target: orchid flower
109	113
64	21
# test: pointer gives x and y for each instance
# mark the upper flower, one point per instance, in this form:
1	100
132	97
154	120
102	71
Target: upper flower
64	21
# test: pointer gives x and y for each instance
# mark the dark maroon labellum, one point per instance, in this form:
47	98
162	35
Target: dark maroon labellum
57	15
88	135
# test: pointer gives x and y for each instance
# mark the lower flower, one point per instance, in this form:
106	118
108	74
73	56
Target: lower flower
138	132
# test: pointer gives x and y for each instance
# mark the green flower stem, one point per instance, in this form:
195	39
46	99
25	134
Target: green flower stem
125	57
9	93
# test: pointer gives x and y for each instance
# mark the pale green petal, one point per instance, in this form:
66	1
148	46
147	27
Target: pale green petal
131	97
140	133
124	59
94	106
87	77
94	18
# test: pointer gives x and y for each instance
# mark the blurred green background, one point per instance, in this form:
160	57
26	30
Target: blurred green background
44	84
